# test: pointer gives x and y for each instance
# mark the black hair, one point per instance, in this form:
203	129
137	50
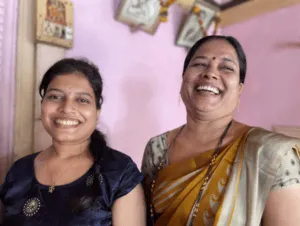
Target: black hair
231	40
91	73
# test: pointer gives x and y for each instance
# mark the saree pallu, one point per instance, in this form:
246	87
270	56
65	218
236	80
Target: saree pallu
177	187
259	167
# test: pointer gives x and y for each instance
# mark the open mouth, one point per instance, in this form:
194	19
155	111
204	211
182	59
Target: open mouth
67	122
210	89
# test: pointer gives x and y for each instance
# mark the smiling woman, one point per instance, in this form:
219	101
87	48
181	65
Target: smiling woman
78	180
214	170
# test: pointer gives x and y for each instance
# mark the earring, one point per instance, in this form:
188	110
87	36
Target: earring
238	106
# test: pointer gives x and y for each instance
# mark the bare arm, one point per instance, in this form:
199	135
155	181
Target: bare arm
130	209
283	207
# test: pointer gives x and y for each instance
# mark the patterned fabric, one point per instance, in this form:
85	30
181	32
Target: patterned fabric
266	161
178	185
27	202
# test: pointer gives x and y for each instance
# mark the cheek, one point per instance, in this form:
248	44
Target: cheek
188	81
47	109
90	115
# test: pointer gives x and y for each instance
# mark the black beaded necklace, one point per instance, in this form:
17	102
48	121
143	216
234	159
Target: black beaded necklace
208	175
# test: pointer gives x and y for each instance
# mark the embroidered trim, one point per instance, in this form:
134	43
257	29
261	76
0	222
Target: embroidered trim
31	207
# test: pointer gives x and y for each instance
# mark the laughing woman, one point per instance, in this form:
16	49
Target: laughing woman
78	180
214	170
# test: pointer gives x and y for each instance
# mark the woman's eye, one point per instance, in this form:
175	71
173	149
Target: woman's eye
83	101
226	68
200	65
54	97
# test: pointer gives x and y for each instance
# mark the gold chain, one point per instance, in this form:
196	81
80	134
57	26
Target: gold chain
52	187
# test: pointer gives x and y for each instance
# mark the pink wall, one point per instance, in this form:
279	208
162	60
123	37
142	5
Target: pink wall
142	74
271	95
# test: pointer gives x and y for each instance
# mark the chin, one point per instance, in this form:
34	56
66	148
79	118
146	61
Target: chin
205	107
65	139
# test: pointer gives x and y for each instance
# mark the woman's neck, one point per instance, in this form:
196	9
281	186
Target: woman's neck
65	151
204	130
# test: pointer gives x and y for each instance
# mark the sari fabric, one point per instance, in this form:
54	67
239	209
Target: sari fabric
177	187
245	172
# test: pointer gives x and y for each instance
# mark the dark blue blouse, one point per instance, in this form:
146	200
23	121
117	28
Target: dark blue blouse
28	203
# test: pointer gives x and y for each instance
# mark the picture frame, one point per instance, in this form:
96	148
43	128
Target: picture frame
190	31
55	22
291	131
227	4
140	14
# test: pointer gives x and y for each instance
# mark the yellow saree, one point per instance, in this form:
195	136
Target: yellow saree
177	187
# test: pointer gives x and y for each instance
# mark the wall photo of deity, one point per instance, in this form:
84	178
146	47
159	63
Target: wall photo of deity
55	22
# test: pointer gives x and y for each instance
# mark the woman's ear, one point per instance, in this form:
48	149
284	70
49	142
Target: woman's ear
241	87
98	113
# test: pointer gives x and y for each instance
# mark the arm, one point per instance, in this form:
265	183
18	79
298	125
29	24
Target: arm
283	203
130	209
283	207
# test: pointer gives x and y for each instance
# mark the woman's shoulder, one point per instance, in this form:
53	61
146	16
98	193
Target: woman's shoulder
161	141
273	148
155	151
23	165
111	158
271	140
119	171
19	175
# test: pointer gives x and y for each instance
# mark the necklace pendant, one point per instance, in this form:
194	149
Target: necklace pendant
51	189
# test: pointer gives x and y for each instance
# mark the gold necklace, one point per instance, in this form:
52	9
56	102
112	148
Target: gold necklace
207	177
52	187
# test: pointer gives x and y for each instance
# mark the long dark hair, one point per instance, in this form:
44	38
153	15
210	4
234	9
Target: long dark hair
98	141
231	40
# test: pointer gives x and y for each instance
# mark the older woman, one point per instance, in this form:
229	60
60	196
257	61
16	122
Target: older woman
214	170
78	180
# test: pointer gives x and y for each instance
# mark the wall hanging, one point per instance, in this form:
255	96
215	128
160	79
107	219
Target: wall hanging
55	22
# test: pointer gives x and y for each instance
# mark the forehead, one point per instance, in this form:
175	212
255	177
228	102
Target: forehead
71	81
217	48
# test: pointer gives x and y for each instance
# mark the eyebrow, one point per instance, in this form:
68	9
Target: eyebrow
200	57
223	58
78	93
229	60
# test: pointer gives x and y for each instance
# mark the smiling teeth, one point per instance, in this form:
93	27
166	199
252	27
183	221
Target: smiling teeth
67	122
208	88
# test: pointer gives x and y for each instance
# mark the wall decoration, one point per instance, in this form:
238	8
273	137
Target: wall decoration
197	23
55	22
140	14
227	4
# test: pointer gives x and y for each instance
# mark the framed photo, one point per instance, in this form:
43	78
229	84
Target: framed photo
140	14
227	4
55	22
191	32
